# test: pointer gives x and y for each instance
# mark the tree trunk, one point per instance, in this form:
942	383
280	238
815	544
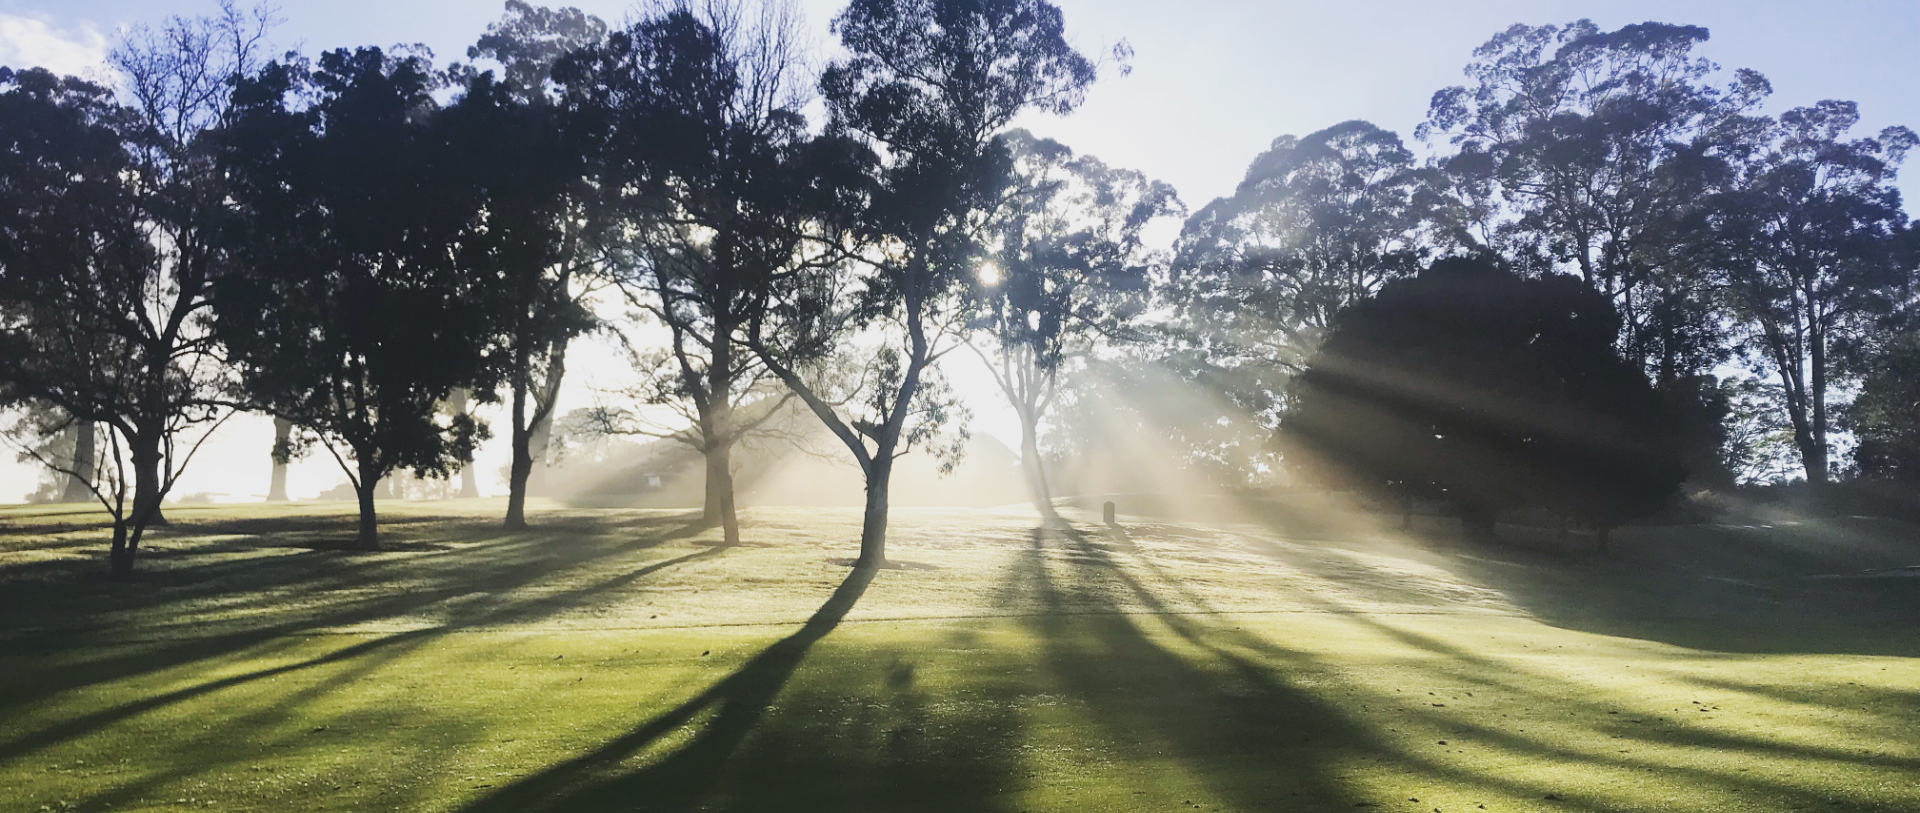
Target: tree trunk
522	464
539	436
146	482
469	489
1817	461
873	526
719	503
80	481
277	487
1034	467
369	538
120	556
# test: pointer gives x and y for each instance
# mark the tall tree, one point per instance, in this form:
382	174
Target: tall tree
106	261
543	210
698	109
359	302
1808	254
1071	269
1590	146
1318	222
931	84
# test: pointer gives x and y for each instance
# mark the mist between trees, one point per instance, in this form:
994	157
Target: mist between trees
1607	273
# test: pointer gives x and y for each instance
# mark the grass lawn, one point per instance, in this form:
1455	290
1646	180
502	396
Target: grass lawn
623	660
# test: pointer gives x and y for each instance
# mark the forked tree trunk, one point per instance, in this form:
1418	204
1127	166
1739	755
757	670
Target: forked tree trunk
277	487
80	482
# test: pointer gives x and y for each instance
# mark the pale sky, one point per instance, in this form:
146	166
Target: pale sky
1213	83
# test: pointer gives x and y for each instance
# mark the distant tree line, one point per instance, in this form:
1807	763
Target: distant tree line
366	244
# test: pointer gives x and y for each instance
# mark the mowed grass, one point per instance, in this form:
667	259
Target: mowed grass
622	660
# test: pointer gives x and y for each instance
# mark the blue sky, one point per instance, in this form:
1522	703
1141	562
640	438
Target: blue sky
1213	83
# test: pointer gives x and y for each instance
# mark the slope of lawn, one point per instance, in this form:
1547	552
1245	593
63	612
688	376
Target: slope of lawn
623	660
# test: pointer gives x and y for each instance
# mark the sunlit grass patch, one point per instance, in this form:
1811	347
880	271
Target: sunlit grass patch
621	660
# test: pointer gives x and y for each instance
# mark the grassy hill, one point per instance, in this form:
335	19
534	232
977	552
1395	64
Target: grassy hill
622	660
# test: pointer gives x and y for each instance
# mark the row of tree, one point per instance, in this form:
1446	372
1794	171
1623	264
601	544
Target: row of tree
1723	236
350	242
355	242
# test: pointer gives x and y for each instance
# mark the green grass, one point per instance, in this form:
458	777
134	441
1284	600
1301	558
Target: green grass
622	660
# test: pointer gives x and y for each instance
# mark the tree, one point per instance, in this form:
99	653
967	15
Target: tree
1587	149
1069	269
1471	384
359	302
544	214
1886	415
282	454
105	264
1318	223
930	84
1806	246
698	110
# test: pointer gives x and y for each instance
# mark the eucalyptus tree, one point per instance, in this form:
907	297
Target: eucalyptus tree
697	110
1808	253
544	210
1318	222
1587	148
1067	269
112	205
359	300
930	85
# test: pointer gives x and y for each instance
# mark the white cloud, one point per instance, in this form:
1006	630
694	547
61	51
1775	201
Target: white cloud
33	41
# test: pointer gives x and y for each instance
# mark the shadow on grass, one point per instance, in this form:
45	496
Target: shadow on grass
680	781
470	584
1795	586
1254	740
1265	727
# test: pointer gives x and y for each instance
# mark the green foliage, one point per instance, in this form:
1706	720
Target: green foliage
1885	417
1490	391
361	301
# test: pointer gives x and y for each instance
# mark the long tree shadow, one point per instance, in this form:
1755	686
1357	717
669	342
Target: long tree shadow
593	781
473	587
1455	665
1247	734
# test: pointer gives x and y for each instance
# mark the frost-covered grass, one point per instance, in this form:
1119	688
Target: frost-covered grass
621	660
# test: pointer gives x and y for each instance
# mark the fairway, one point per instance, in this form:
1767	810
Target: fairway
623	660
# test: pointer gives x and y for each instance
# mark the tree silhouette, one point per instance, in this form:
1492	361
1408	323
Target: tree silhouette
1071	270
359	303
1807	252
1886	414
1487	390
698	114
931	85
544	215
1318	223
1586	150
105	264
